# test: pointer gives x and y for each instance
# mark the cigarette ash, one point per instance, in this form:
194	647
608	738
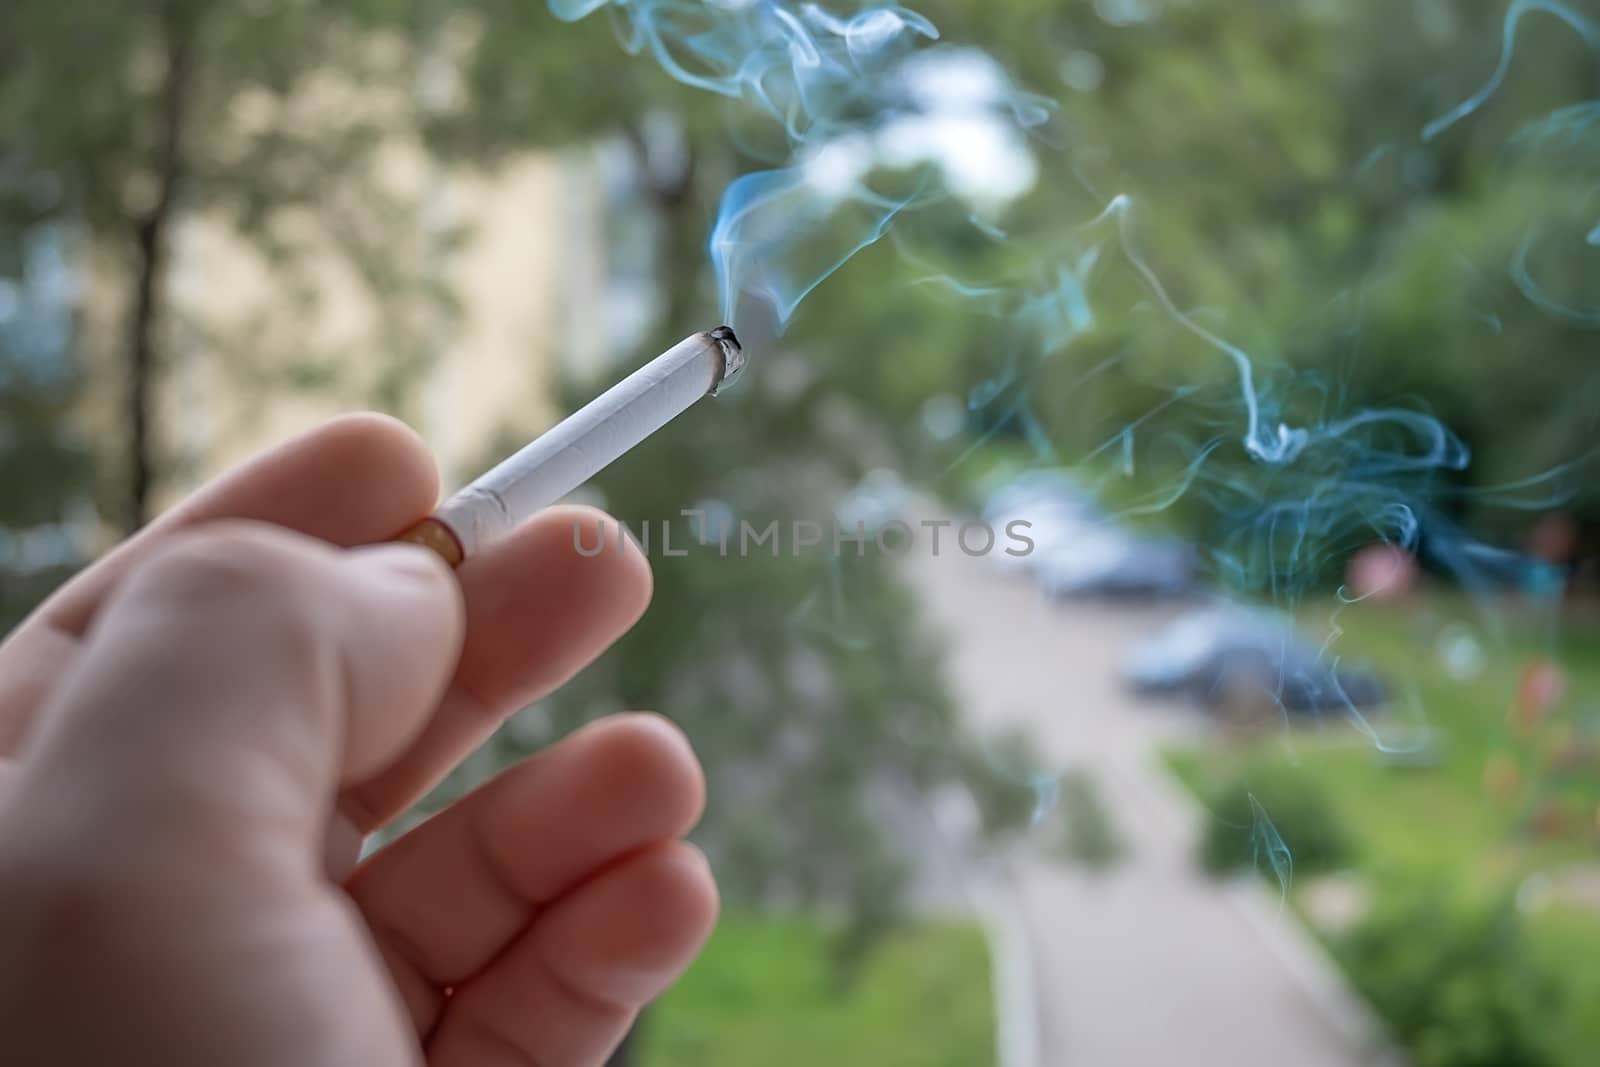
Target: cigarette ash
732	354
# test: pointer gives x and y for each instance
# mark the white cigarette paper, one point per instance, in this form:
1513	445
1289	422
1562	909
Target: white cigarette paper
579	447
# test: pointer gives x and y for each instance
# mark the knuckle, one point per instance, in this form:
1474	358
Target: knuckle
61	902
223	563
249	575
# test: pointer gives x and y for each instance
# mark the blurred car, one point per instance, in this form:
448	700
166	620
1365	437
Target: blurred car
1051	509
1051	488
1103	560
1228	654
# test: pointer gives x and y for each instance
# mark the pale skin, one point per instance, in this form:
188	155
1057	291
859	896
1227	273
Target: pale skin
196	732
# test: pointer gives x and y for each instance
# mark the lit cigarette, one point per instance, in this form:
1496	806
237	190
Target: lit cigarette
580	446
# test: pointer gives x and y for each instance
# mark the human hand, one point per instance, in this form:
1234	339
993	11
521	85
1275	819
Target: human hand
196	731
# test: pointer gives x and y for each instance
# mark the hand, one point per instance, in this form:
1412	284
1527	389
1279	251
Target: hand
194	732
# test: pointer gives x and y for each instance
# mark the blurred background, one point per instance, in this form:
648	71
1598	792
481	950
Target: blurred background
1276	323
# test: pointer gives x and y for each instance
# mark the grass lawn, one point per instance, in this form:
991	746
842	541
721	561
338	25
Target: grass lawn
1436	821
763	993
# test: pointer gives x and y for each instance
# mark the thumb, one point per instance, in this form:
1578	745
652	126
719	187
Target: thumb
235	682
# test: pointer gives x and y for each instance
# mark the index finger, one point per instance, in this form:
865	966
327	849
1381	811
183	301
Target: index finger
355	480
351	481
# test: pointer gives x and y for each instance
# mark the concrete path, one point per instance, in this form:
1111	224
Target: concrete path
1148	964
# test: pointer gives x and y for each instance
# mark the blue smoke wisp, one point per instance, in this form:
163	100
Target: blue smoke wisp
1589	30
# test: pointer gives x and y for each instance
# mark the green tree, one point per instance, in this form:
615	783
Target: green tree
267	117
44	477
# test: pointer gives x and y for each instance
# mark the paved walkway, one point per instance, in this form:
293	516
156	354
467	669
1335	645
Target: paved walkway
1149	964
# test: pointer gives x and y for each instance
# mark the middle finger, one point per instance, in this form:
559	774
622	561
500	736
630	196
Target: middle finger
446	898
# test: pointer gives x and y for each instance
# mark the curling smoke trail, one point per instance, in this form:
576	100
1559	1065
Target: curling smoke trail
855	94
1571	128
1269	849
850	95
1589	30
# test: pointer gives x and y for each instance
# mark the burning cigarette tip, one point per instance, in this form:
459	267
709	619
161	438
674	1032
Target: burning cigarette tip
732	357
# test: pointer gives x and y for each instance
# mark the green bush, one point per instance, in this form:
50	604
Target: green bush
1275	820
1006	780
1457	986
1088	837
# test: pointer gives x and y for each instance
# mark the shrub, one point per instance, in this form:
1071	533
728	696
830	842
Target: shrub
1276	820
1457	986
1007	782
1088	837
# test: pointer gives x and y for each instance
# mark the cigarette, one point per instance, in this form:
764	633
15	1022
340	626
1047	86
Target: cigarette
580	446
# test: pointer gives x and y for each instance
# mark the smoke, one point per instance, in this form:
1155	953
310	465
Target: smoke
1268	848
1570	130
852	96
1589	30
882	121
781	232
1539	294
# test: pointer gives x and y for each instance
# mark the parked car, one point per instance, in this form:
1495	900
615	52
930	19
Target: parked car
1077	549
1228	654
1103	560
1051	508
1050	488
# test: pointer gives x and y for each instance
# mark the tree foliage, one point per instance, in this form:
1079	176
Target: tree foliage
267	119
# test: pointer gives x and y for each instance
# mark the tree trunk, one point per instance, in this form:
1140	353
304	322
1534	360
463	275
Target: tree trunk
679	266
151	232
683	258
680	252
